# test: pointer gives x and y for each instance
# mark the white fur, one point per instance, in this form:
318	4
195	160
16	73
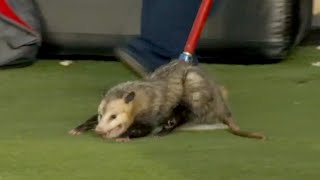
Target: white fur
202	127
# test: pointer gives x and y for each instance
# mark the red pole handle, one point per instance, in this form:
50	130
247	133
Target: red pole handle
198	25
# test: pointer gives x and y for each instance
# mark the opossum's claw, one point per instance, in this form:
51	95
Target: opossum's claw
74	132
263	137
123	140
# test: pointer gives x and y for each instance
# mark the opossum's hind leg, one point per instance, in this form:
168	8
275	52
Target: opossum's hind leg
177	119
89	124
168	127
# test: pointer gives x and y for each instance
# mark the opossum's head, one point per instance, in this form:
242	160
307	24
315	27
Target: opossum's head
115	116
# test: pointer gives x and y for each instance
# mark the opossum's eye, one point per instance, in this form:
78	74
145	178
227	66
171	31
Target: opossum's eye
113	116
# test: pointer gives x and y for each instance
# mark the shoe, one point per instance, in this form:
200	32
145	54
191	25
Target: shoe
142	62
131	60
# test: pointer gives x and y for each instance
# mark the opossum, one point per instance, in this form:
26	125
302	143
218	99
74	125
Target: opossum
178	93
137	108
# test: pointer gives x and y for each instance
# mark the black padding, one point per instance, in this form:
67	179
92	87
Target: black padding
260	30
19	42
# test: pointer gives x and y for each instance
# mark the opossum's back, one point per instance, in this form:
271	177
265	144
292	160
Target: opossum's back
203	95
173	75
197	85
167	82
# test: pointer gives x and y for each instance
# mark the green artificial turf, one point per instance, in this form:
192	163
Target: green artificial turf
40	103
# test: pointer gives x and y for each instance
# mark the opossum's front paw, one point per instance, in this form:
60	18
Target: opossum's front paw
74	132
123	140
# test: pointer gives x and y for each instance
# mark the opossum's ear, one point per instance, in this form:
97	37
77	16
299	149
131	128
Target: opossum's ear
129	97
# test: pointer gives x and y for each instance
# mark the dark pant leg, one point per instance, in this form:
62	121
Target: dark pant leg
167	23
165	27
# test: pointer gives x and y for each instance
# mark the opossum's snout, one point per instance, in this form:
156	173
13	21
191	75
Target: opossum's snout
112	133
113	128
115	117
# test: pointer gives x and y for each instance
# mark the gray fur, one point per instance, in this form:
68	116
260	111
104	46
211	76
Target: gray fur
201	95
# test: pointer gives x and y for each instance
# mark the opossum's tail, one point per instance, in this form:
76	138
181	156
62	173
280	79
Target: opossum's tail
235	129
202	127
